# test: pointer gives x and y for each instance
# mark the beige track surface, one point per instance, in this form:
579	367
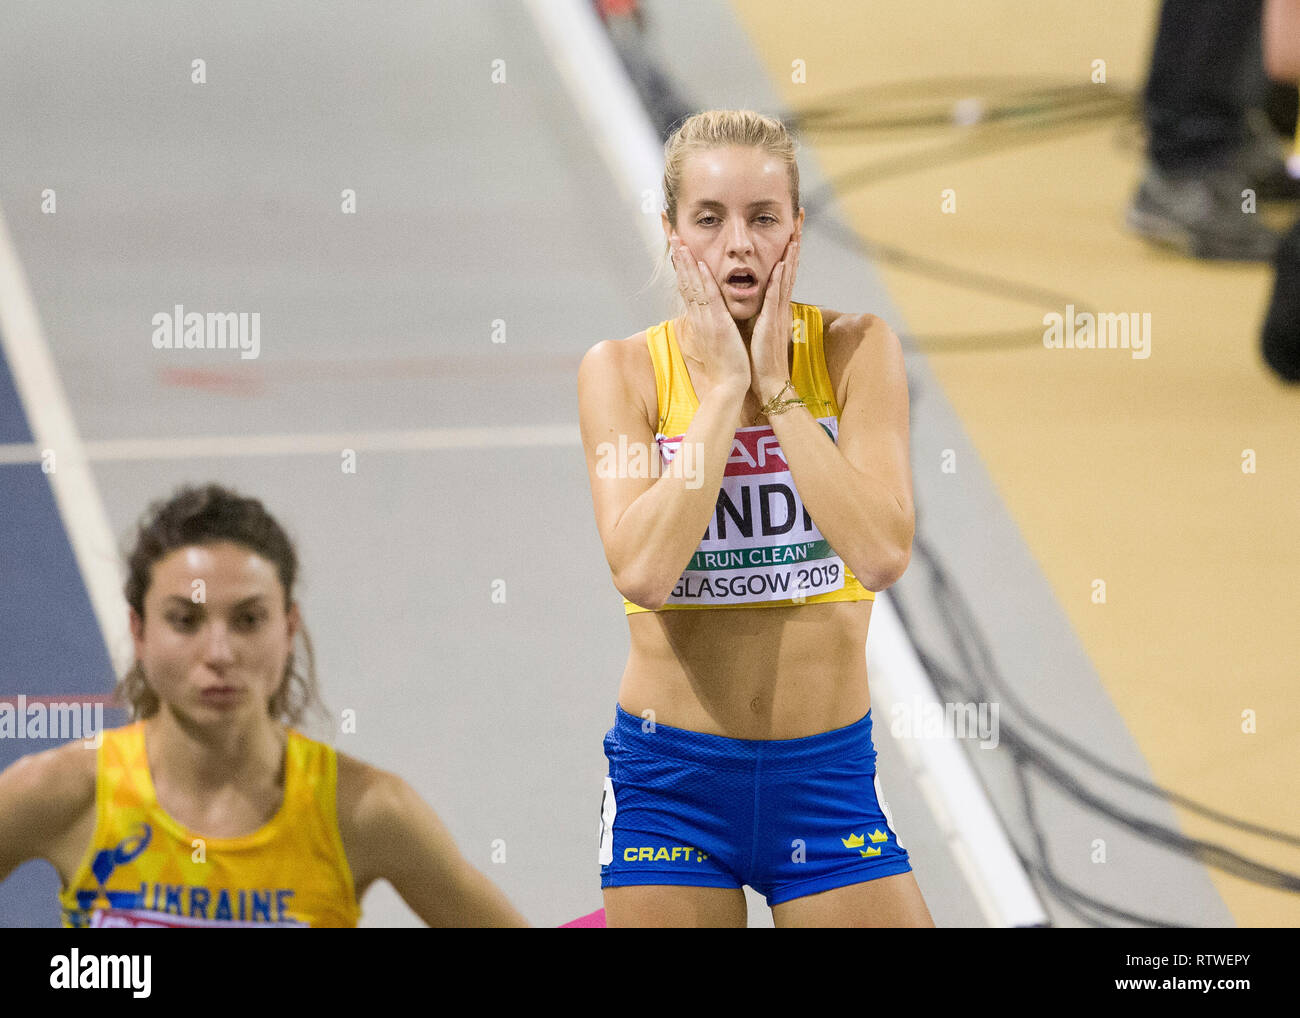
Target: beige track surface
1114	468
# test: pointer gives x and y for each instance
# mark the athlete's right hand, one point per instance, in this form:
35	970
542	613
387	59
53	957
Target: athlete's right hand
716	339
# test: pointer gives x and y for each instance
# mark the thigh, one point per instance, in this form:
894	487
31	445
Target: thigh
887	901
674	905
673	829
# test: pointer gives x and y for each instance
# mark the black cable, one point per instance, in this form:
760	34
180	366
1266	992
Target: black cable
1059	738
986	138
1205	851
1021	119
1086	112
1026	755
1071	897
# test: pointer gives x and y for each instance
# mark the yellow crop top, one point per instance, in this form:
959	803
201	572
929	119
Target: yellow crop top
761	541
143	868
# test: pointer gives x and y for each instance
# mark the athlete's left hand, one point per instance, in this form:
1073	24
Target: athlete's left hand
769	347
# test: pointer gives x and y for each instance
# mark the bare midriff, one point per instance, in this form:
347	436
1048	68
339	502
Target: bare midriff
750	673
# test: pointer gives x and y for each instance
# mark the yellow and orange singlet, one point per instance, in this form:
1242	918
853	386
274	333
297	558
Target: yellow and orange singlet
144	868
761	549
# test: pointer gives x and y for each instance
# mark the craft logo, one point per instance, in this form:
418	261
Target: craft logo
661	853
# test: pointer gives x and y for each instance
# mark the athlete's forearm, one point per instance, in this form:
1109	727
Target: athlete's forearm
659	532
485	904
857	514
1282	39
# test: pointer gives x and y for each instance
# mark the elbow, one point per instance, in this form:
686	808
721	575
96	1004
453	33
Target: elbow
644	590
899	567
882	571
641	598
883	576
887	560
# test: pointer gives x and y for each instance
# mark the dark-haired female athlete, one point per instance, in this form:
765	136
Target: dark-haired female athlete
210	809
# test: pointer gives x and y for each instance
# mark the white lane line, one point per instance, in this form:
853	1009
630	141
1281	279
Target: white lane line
223	446
616	123
619	126
970	826
54	429
19	452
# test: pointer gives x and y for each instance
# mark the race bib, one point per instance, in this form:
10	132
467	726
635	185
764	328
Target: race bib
761	544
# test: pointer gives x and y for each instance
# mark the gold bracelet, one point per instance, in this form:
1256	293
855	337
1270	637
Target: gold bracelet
776	405
783	407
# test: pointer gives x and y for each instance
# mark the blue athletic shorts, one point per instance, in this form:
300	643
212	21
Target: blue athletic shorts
788	817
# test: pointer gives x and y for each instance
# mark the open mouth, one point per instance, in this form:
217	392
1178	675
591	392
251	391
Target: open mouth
743	282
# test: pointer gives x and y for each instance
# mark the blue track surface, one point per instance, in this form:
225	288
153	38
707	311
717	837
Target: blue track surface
50	644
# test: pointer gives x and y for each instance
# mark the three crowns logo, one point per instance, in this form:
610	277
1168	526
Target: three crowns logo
857	841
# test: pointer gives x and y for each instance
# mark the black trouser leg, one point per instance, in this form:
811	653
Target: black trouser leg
1281	341
1202	76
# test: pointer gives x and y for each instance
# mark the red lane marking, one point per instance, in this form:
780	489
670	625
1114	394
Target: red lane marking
439	366
251	379
591	921
213	380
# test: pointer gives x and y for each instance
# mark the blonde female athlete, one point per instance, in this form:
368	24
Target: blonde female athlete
211	810
741	750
